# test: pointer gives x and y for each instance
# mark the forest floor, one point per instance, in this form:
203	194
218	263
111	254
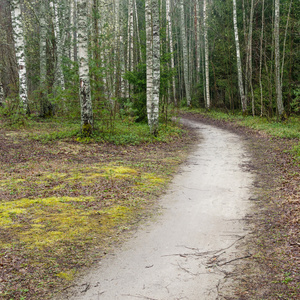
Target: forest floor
65	204
53	196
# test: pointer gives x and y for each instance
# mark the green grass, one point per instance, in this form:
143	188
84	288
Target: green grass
122	132
288	129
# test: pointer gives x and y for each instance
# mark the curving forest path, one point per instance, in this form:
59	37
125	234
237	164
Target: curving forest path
186	252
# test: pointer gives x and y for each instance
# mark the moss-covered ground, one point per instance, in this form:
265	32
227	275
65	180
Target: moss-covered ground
66	201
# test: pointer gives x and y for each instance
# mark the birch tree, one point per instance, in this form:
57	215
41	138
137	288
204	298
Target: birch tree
261	56
156	68
1	94
84	79
170	38
59	44
238	59
45	106
249	57
279	102
149	61
185	54
19	40
152	63
206	52
73	31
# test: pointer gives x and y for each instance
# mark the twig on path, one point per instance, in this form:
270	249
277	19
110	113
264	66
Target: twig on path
186	270
68	287
88	285
139	296
232	260
205	252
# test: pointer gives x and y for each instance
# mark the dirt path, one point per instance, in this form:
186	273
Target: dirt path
186	252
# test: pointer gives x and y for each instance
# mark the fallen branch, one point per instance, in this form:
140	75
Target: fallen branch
232	260
139	296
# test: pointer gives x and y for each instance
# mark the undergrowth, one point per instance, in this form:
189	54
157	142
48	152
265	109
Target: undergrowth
122	133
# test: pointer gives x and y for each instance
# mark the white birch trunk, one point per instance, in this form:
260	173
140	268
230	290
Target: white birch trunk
43	45
261	56
152	63
73	30
249	55
1	94
131	36
185	55
84	79
122	53
149	55
206	53
116	47
154	109
238	58
284	42
137	29
279	102
197	36
59	45
19	40
170	36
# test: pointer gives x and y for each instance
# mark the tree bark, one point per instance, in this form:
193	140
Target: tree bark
278	87
206	53
260	57
84	79
46	108
149	61
249	56
185	55
170	35
1	95
59	45
19	40
156	68
238	58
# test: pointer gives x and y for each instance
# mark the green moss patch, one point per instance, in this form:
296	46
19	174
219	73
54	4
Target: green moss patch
65	204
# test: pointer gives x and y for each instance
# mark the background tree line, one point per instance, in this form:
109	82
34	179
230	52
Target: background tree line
136	57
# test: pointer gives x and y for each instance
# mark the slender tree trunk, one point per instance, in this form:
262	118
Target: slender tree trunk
46	109
149	61
284	42
197	37
260	57
73	31
170	35
1	95
43	45
122	52
19	40
116	49
185	55
84	79
279	102
249	56
156	67
238	58
137	30
59	45
206	56
130	40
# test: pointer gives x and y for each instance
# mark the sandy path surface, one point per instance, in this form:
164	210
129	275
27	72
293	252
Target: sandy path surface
183	253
